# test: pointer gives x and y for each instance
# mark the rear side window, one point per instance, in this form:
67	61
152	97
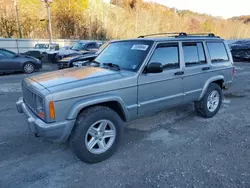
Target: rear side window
167	55
217	51
193	54
91	46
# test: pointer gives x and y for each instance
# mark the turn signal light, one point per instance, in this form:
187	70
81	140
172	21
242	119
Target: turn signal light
51	110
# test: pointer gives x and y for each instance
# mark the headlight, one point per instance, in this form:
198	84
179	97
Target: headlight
77	64
80	63
40	106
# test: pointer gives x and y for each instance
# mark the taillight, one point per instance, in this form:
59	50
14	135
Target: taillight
233	72
51	110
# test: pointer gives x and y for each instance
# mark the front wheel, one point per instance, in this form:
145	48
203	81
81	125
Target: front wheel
210	104
97	133
28	68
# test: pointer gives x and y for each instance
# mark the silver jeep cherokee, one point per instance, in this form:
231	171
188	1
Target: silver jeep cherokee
131	78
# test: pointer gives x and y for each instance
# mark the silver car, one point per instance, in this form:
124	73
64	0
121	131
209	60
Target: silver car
129	79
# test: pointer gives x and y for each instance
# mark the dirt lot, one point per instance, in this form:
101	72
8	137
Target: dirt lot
174	148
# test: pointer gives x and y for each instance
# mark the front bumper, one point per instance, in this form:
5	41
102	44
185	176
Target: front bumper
58	132
63	65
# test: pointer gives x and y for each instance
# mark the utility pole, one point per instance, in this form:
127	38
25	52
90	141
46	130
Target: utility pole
49	18
17	19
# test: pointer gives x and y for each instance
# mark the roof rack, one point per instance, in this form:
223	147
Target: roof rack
156	34
182	34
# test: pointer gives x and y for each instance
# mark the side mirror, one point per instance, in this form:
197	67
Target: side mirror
154	68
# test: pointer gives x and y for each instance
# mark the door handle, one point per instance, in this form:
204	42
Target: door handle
179	73
205	68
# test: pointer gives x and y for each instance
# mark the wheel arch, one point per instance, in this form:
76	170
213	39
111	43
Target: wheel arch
216	79
113	102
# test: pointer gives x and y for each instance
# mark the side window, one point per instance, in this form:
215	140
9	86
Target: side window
167	55
217	51
91	46
193	54
7	53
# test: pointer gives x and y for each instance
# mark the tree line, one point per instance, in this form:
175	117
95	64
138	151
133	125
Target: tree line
83	19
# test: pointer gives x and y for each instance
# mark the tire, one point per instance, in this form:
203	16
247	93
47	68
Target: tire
81	137
202	106
28	68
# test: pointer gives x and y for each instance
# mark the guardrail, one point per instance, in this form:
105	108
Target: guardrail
24	45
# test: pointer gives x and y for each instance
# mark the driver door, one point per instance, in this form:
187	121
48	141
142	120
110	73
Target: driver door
157	91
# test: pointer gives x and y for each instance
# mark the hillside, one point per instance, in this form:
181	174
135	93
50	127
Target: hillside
120	19
245	19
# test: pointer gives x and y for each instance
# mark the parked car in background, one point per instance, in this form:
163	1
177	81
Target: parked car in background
241	50
12	62
88	106
80	60
41	50
76	61
79	48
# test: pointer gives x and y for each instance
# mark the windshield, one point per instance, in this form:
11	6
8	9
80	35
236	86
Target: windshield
78	46
128	55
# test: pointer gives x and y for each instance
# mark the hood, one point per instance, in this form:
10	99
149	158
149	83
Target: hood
74	77
68	52
78	57
70	58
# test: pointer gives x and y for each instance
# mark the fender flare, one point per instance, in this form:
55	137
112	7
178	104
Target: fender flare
208	82
89	101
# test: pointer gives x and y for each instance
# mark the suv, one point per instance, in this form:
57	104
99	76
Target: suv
79	48
88	106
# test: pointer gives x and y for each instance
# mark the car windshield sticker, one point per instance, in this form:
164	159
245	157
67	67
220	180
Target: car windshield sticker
140	47
134	67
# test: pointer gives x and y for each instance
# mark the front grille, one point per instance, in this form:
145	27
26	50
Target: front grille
29	97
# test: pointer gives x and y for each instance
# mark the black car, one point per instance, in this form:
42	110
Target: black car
80	60
76	61
241	50
79	48
11	62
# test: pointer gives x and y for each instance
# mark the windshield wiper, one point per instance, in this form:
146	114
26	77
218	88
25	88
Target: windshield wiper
112	65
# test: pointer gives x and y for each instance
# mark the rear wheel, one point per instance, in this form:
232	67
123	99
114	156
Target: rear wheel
97	134
210	104
28	68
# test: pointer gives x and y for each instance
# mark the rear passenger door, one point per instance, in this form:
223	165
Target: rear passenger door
196	68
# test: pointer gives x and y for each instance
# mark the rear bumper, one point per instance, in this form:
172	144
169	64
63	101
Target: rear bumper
58	132
227	85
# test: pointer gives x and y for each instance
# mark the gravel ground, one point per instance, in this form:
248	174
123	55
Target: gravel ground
174	148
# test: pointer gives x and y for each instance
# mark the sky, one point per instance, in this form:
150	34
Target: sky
222	8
